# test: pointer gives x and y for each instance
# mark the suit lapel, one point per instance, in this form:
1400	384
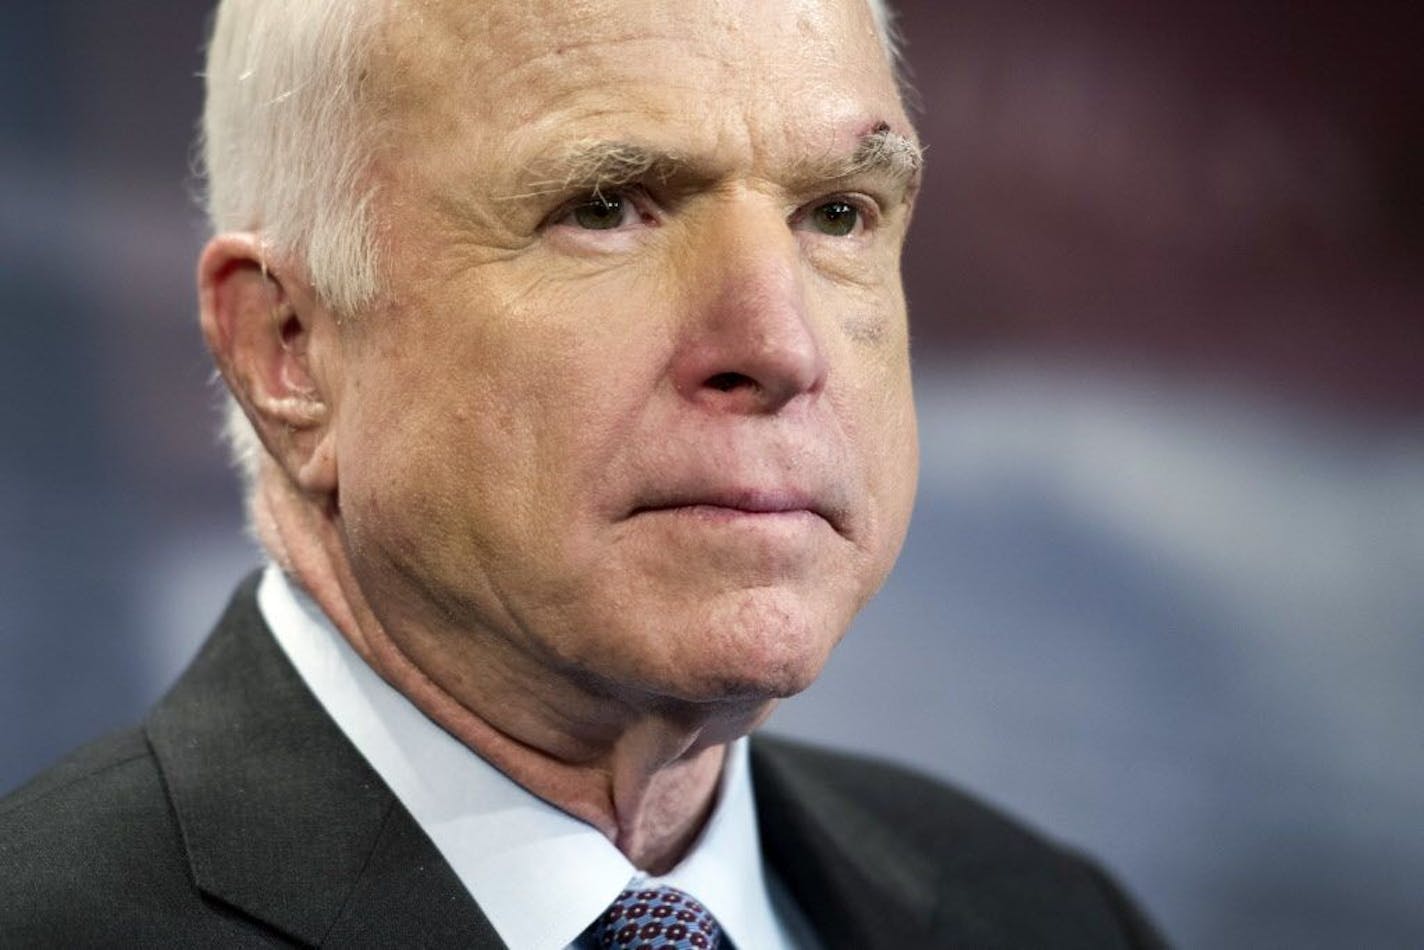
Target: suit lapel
407	896
281	816
857	884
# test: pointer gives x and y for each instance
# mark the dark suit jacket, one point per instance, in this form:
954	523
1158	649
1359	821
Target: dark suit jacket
239	815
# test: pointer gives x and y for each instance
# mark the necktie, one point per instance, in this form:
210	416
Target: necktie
662	918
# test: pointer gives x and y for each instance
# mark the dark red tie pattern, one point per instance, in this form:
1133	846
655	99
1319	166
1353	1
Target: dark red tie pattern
662	918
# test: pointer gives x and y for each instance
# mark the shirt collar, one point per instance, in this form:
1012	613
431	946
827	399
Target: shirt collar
539	875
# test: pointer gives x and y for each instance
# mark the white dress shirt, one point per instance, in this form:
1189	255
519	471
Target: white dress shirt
540	875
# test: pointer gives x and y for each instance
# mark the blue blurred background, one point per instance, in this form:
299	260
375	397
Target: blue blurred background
1162	597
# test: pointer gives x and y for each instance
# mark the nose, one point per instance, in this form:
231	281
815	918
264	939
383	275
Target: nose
748	345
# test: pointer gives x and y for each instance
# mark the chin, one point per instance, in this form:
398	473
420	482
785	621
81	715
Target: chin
764	646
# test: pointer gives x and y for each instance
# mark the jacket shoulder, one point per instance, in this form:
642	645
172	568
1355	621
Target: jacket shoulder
91	855
959	869
920	808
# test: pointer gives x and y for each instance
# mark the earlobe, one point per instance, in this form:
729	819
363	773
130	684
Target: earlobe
263	329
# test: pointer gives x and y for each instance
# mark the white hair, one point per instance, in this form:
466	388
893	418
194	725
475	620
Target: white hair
287	141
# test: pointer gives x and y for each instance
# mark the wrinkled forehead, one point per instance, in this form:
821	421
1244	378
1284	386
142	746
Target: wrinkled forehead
507	63
513	29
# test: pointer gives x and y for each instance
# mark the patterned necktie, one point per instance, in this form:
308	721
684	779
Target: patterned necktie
662	918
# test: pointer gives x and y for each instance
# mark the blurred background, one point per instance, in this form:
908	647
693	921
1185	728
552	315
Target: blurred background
1162	597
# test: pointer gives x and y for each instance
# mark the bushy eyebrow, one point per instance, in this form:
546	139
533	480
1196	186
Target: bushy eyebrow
592	165
880	152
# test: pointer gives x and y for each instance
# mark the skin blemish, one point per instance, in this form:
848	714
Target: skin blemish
865	328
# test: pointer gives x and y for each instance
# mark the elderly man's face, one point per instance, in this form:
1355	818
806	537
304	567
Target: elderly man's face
638	406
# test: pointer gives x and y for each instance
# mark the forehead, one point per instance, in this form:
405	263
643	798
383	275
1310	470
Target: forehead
744	77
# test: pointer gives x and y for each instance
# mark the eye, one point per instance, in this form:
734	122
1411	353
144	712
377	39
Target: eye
600	212
836	218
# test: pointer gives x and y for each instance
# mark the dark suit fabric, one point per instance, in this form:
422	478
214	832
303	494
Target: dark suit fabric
239	815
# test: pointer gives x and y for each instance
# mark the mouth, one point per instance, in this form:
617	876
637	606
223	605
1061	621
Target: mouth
740	504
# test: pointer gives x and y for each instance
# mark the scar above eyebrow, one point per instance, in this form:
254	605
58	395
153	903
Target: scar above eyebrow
595	164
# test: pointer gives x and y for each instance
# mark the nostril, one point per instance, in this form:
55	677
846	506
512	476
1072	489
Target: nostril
726	382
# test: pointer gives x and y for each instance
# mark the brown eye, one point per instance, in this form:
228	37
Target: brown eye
600	213
835	218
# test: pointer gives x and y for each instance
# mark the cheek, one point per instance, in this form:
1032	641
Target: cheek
876	404
899	454
893	471
487	444
903	472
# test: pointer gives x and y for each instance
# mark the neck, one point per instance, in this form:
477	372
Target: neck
642	770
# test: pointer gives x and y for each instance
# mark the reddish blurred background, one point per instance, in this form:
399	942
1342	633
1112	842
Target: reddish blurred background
1226	189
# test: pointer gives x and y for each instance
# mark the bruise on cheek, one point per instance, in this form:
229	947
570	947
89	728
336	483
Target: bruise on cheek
865	327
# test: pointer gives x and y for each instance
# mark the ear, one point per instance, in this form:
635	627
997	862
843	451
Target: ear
274	346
